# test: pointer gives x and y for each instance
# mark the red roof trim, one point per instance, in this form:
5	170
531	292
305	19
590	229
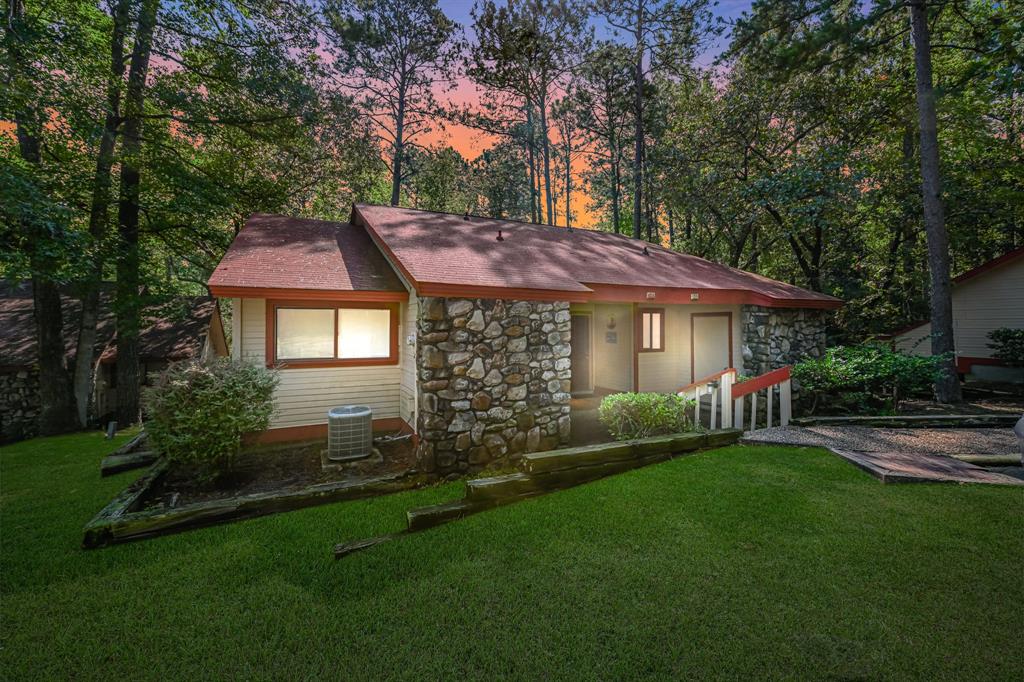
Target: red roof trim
990	265
619	293
310	294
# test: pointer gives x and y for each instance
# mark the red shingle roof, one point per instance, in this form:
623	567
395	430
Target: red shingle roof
446	254
447	249
279	252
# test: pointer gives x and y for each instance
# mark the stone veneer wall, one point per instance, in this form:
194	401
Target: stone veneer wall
493	380
19	404
774	337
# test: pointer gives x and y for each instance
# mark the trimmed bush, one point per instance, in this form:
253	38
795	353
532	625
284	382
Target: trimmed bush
864	379
639	415
1008	345
196	413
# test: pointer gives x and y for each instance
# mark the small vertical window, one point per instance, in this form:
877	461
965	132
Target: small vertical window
652	330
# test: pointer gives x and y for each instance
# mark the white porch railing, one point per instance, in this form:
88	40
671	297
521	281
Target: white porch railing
728	399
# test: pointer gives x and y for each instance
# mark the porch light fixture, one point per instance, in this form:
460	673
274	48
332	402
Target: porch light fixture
694	296
651	295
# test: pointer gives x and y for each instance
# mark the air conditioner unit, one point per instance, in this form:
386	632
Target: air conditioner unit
349	432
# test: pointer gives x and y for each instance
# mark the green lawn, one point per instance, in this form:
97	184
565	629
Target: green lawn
743	562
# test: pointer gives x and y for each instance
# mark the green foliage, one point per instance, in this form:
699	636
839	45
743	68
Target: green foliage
1008	345
639	415
197	412
864	379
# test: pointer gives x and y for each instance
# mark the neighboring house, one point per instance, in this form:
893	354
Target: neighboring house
181	329
474	333
991	296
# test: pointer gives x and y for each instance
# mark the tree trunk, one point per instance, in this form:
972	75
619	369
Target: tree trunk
84	355
616	200
638	125
399	150
128	295
568	184
56	400
947	385
549	203
534	212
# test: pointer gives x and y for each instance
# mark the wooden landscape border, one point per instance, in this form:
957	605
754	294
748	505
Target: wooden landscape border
544	472
121	521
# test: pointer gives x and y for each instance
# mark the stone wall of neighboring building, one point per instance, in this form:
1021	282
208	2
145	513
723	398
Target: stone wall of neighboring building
494	380
19	404
774	337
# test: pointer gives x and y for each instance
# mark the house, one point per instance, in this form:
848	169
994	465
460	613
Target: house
186	327
475	333
991	296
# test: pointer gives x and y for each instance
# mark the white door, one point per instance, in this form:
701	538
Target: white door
710	344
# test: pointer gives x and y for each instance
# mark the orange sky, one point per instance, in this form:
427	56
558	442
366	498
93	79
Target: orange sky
470	143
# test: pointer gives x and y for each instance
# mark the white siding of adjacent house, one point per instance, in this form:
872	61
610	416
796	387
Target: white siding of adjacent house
989	301
304	395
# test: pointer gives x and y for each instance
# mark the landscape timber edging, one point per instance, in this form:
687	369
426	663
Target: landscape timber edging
118	522
915	421
545	472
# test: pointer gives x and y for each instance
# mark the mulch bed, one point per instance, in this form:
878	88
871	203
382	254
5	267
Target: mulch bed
279	468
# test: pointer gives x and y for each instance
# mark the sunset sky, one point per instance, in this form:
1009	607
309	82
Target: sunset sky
470	142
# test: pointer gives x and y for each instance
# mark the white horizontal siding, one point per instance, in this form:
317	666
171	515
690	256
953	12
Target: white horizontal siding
407	353
254	330
304	395
916	341
990	301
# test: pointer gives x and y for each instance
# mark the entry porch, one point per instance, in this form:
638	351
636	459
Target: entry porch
658	347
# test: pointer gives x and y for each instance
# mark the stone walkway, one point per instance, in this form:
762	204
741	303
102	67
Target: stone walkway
904	455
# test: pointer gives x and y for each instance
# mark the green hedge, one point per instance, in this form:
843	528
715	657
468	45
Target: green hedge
864	379
639	415
196	413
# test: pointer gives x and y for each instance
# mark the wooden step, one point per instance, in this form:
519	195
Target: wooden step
569	458
497	488
717	439
436	514
115	464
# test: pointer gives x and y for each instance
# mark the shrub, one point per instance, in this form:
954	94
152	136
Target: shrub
196	413
865	379
638	415
1008	345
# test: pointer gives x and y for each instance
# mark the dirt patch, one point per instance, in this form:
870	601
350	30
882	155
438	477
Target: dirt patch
279	468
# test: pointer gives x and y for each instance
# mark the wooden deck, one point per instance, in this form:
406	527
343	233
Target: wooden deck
904	455
901	467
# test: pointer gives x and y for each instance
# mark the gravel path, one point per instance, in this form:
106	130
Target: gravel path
868	439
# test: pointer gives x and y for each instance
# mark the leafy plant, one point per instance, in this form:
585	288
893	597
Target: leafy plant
1008	345
638	415
865	379
197	413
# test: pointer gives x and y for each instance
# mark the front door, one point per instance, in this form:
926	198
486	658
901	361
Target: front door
582	379
710	344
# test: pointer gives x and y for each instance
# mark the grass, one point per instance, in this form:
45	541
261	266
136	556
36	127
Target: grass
742	562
